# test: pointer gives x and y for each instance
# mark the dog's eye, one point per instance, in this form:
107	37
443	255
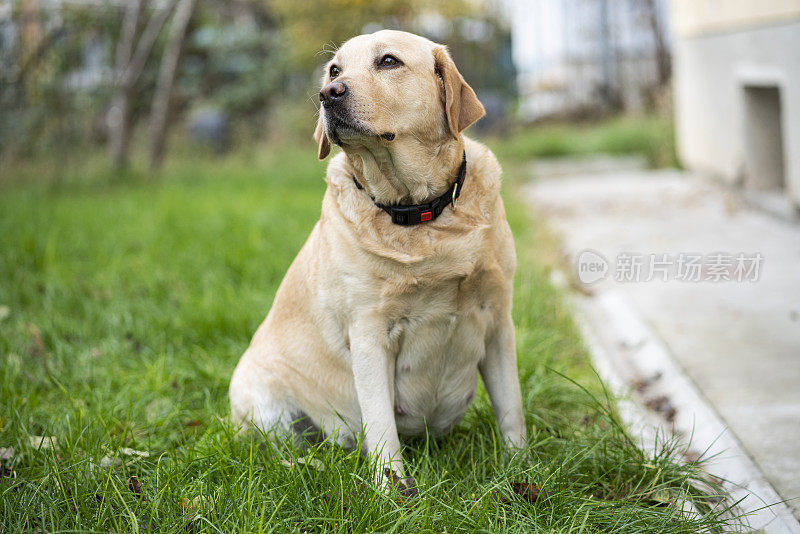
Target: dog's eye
334	71
388	61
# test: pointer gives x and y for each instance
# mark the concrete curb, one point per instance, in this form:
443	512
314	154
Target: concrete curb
658	398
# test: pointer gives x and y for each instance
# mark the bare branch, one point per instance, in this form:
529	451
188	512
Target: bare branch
166	78
145	45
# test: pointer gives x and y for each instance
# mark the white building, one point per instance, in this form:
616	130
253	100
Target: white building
737	94
574	55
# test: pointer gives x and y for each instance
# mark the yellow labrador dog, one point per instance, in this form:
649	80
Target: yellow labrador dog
402	292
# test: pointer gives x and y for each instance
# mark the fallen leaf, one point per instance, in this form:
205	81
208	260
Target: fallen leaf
311	462
662	497
43	442
7	472
528	491
115	460
107	462
134	485
147	523
199	502
193	423
524	490
196	507
127	451
6	454
112	459
5	311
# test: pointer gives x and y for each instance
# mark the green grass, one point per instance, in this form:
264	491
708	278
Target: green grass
651	136
127	305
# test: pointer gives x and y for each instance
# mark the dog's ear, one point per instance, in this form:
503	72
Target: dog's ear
461	105
322	139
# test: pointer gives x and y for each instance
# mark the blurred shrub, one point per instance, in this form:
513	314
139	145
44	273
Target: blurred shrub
236	62
52	77
255	61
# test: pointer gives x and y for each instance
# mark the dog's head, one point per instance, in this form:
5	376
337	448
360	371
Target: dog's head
390	87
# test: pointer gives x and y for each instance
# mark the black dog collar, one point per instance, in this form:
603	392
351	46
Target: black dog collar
418	213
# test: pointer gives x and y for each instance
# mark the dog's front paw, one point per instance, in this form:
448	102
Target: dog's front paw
406	486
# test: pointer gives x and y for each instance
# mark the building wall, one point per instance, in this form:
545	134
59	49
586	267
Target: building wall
716	60
701	17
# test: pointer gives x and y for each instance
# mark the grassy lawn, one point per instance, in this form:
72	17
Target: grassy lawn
648	135
125	307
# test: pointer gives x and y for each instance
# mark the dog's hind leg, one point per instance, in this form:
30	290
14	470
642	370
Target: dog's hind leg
260	403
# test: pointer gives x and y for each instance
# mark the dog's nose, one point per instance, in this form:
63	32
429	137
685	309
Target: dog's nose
332	93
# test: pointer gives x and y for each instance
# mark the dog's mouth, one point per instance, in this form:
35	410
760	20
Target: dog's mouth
341	126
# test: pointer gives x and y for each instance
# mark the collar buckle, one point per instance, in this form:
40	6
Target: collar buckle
415	214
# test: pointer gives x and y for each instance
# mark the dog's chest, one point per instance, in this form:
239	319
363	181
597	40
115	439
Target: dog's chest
438	351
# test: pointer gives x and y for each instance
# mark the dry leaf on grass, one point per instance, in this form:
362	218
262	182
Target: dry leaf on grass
112	459
196	507
134	485
523	490
107	462
6	454
662	497
7	472
43	442
197	504
127	451
146	523
310	462
7	463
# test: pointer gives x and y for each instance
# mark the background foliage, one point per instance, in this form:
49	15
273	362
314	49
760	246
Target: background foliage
254	63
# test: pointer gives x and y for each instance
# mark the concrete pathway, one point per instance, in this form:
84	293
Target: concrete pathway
678	265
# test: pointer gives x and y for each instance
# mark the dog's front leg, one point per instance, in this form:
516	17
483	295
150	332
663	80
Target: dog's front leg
373	372
499	372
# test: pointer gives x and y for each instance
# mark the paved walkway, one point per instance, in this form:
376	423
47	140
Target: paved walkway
716	281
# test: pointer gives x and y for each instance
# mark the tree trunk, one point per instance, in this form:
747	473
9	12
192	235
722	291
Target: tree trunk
119	135
119	114
663	59
159	117
131	59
